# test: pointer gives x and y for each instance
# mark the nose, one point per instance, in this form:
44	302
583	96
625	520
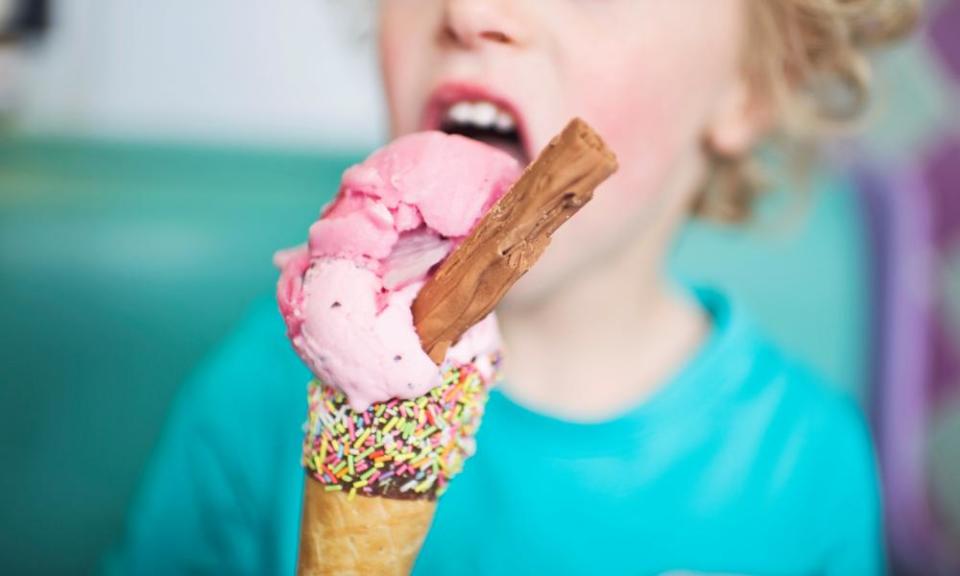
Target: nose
474	23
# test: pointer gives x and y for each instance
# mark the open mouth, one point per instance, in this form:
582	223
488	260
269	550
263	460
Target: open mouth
484	120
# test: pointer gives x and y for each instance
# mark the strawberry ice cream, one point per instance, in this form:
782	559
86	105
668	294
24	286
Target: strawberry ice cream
346	295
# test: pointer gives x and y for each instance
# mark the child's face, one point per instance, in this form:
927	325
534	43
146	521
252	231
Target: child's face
654	77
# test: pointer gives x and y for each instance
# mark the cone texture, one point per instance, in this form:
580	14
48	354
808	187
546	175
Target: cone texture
362	536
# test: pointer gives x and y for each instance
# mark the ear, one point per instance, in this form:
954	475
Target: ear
741	118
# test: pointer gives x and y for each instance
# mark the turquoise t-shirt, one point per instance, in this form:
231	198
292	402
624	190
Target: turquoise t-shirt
744	463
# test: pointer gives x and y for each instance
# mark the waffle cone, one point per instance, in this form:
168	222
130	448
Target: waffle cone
350	522
365	535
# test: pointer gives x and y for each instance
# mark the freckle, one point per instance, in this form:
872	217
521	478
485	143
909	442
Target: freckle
397	358
335	305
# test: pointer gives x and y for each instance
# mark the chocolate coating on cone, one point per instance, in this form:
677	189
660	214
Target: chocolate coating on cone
511	237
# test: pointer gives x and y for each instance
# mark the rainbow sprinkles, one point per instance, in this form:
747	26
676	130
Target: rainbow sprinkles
402	449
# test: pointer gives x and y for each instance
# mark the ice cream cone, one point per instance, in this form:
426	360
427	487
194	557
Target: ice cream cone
374	476
375	471
360	536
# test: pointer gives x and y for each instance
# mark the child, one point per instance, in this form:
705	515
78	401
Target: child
642	427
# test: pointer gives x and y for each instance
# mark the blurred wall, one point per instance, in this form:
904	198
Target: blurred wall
290	72
298	73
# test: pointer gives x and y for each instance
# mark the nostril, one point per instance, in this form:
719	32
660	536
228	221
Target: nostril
471	23
449	34
454	35
495	36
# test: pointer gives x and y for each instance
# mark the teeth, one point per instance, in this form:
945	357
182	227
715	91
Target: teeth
461	113
482	114
504	122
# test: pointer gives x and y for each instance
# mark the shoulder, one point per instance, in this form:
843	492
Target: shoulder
830	420
808	431
254	366
245	399
820	462
763	376
241	411
814	452
227	463
806	450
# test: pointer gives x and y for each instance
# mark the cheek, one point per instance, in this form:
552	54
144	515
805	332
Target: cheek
653	117
404	58
649	124
652	93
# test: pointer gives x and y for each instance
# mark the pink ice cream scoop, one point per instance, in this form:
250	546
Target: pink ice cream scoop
346	295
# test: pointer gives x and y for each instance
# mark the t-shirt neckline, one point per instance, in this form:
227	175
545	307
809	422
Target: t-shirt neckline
719	365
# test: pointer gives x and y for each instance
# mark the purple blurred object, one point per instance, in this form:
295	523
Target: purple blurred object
944	362
914	218
942	178
903	264
944	31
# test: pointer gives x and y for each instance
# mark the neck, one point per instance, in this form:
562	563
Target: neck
603	341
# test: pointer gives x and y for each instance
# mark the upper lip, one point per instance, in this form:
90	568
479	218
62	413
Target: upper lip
449	93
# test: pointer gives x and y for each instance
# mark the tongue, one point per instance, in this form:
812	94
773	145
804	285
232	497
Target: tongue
508	142
414	254
508	145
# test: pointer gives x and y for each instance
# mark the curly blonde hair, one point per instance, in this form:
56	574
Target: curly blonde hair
809	60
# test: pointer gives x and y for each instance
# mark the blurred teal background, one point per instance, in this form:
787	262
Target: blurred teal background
122	265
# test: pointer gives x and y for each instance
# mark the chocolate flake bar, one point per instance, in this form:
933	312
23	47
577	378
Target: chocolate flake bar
511	237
